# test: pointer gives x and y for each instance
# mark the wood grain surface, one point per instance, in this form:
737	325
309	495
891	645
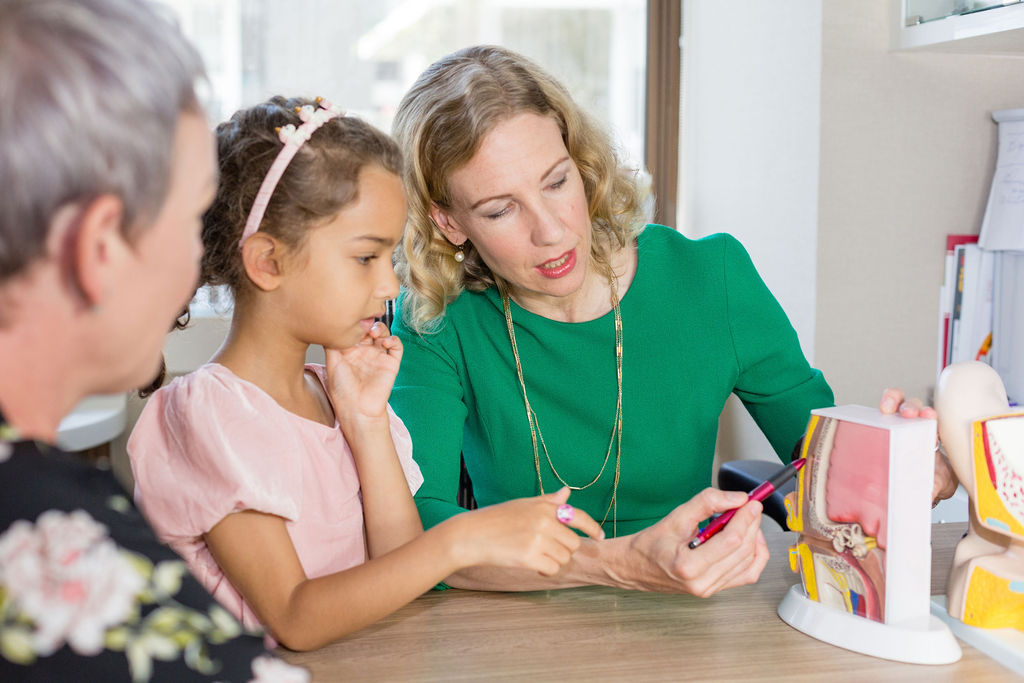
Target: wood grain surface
603	634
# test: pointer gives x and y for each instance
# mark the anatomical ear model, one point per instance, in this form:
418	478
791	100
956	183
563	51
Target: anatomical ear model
862	508
841	552
853	495
983	438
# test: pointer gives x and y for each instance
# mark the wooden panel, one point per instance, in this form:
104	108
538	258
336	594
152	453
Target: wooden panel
661	136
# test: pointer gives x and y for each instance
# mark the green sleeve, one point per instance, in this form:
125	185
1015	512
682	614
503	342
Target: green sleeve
775	382
428	396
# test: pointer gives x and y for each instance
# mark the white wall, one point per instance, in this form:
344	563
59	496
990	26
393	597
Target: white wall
752	83
907	154
750	153
849	231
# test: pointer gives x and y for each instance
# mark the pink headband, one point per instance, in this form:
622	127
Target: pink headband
293	138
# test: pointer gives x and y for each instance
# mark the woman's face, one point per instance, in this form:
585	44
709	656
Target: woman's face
520	200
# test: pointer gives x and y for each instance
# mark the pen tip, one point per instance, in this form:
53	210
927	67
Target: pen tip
799	463
694	543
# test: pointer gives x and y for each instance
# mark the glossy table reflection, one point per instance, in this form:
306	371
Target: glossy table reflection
604	634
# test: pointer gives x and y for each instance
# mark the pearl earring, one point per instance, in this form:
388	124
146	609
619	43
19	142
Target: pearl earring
459	255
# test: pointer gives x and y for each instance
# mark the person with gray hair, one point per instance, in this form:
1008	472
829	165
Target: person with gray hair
107	165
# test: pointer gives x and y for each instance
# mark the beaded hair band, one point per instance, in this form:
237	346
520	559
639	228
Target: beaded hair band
293	138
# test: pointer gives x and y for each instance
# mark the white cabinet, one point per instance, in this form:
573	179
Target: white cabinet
995	30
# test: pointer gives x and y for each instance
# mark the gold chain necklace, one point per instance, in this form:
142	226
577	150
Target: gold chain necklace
531	416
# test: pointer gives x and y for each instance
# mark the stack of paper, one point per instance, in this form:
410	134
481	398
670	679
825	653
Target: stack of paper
1003	225
967	302
981	302
1007	355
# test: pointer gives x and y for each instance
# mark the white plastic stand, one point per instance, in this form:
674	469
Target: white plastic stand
1005	645
926	642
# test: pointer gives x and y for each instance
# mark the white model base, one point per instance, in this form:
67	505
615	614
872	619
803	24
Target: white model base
1005	645
928	642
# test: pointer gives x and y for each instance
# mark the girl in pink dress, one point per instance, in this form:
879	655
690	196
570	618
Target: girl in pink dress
286	486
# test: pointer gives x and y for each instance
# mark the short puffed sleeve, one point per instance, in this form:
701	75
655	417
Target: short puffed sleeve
210	444
403	446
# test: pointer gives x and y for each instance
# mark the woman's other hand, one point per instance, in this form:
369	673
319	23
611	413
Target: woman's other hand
894	401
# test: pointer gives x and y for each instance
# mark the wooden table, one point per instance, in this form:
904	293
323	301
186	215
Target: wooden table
604	634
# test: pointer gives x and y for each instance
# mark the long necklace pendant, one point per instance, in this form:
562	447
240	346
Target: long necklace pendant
534	424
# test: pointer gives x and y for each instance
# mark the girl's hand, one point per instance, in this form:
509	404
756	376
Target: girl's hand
945	480
659	559
524	533
360	377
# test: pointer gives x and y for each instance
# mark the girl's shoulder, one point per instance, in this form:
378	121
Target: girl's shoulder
222	439
207	375
208	400
210	385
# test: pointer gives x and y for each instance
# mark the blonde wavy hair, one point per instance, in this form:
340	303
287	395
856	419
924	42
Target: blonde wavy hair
439	126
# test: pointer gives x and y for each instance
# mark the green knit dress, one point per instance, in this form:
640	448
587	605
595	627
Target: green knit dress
698	324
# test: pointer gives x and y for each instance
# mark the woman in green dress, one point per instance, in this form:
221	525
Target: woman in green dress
552	338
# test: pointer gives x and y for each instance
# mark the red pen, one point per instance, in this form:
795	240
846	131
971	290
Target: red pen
760	493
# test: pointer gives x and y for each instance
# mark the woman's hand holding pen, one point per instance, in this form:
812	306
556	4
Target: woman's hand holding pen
524	533
895	401
658	559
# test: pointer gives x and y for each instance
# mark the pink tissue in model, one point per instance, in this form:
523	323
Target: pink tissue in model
857	485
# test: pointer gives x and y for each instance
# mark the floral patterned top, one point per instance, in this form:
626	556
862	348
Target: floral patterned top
88	593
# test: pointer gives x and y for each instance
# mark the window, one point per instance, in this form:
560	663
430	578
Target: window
365	55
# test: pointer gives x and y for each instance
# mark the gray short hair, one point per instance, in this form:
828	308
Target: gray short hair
90	96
